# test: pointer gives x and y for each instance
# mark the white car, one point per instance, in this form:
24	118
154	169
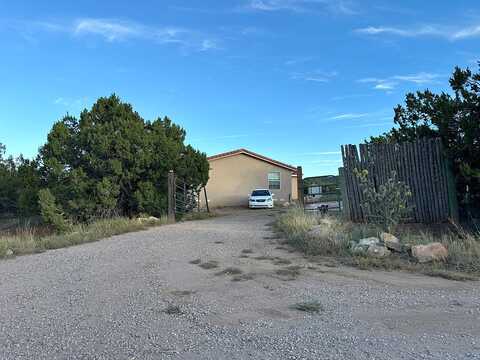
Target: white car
260	198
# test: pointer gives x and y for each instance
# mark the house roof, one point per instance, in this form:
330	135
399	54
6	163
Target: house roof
255	156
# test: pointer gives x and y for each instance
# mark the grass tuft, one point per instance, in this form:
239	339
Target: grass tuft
280	261
309	307
230	271
183	292
291	272
173	310
212	264
243	277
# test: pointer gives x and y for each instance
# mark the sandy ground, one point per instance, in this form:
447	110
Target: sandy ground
106	300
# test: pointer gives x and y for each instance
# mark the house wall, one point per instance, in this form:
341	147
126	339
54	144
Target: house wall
233	178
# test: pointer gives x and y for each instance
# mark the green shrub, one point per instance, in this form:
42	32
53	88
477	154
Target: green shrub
387	204
51	213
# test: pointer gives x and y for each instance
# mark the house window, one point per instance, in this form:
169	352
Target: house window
274	180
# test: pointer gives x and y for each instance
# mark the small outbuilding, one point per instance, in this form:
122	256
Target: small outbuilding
234	174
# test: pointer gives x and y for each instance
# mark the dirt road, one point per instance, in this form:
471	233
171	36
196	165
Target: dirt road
107	300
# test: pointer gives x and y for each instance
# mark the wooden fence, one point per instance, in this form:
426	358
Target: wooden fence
421	164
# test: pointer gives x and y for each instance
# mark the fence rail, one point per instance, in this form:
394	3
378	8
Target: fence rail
421	165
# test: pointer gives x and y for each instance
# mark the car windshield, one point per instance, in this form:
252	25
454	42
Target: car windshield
261	193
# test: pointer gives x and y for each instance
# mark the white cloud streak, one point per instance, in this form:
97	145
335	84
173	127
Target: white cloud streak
302	6
390	83
314	76
449	33
114	30
349	116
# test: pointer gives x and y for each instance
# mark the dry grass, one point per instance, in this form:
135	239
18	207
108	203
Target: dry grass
331	236
29	241
463	247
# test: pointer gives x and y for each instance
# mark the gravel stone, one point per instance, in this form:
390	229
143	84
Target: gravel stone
107	300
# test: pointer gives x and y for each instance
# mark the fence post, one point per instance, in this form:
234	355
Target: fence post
452	192
300	187
206	198
343	192
171	196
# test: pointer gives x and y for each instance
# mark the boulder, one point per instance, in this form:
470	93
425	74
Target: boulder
369	241
359	249
430	252
378	251
9	253
391	242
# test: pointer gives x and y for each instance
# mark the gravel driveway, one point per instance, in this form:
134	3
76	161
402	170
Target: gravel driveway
107	300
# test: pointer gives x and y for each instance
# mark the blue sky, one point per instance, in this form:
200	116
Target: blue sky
291	79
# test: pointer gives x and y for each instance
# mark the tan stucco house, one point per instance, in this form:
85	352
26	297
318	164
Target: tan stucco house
234	174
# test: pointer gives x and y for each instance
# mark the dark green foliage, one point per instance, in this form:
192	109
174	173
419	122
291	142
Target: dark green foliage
453	118
113	162
50	212
19	184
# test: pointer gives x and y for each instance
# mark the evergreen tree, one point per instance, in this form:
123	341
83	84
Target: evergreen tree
455	118
111	161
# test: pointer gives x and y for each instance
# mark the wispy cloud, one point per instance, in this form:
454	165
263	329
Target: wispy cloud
111	30
448	33
71	102
314	76
390	83
302	6
349	116
115	30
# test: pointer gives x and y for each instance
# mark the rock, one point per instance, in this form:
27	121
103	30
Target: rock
286	204
359	249
149	219
378	251
430	252
391	242
369	241
9	253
